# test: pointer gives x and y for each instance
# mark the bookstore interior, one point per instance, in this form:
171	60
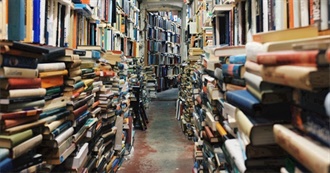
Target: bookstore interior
77	76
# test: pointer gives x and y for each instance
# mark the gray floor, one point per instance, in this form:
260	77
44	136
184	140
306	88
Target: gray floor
162	148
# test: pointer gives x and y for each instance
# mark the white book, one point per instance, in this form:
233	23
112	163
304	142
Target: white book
76	161
265	15
280	15
228	110
64	135
210	121
235	153
118	138
304	13
324	4
42	21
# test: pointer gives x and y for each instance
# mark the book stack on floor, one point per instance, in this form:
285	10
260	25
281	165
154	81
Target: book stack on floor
185	102
150	82
23	103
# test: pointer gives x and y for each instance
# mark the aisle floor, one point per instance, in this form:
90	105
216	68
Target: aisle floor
162	148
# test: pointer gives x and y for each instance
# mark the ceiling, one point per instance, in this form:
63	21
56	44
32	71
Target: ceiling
163	5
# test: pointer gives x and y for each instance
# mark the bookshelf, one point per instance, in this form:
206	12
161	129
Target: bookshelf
66	102
163	35
237	88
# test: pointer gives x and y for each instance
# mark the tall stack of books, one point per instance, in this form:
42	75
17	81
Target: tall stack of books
150	82
24	102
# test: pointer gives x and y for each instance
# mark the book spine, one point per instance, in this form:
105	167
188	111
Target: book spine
53	73
61	128
281	58
299	147
18	61
16	21
52	81
51	67
238	59
63	136
233	70
20	114
52	126
9	72
26	83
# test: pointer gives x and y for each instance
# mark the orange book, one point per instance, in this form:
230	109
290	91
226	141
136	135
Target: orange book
20	83
291	15
53	73
328	55
85	1
52	81
308	57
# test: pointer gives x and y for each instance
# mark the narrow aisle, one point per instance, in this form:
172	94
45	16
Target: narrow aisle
162	148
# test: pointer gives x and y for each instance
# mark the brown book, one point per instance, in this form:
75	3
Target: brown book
13	72
77	112
19	83
20	114
8	123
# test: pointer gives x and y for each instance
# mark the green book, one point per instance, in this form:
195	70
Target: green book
10	141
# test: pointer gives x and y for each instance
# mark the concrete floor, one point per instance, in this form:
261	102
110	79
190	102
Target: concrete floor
162	148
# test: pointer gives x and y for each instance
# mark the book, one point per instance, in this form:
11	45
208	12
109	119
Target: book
8	123
291	57
63	157
287	34
259	130
233	70
16	93
308	78
26	146
248	104
22	106
19	83
6	165
18	61
8	72
53	73
271	96
306	151
228	51
4	153
52	81
10	141
16	20
54	66
59	139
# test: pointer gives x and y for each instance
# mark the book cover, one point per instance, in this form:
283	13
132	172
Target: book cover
259	130
53	73
4	153
246	102
52	81
234	70
54	66
9	141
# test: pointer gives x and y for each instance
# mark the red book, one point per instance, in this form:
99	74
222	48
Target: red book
8	123
20	114
328	55
20	83
308	57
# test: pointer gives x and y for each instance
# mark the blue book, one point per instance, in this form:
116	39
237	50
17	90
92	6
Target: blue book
36	21
16	20
18	61
237	59
4	153
6	165
233	70
251	106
